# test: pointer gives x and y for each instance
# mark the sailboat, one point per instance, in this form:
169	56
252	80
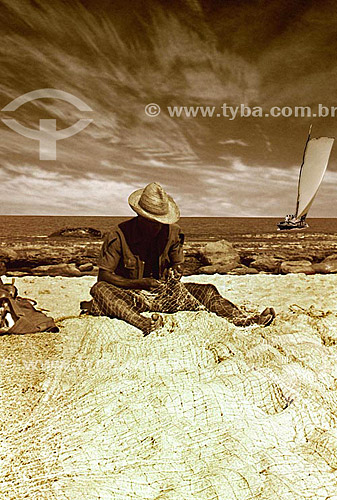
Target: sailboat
315	161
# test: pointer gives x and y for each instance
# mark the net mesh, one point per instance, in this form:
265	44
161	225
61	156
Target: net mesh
170	296
198	410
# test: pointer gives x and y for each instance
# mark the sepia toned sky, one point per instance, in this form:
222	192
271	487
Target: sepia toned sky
118	56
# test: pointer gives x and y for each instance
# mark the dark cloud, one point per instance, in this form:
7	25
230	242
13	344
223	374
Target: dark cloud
118	56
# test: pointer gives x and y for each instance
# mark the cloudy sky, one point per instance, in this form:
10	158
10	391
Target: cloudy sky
118	56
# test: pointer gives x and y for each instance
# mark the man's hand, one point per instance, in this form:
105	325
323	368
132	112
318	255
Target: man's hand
149	284
178	270
175	272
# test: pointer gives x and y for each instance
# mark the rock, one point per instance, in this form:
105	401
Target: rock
16	274
51	252
2	268
191	265
330	257
191	249
220	254
216	269
293	254
242	270
7	254
56	270
77	232
24	256
88	266
326	267
266	263
297	266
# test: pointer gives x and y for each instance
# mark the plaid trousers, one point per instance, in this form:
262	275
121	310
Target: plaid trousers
126	304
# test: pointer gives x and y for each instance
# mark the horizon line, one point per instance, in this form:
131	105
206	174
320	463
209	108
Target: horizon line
182	217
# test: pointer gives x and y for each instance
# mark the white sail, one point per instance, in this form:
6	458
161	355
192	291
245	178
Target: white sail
314	164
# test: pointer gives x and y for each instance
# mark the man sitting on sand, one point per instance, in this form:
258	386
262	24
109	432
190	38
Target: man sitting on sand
140	266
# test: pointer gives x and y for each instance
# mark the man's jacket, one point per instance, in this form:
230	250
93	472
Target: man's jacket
117	257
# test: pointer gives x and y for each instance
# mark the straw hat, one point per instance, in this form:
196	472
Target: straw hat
153	203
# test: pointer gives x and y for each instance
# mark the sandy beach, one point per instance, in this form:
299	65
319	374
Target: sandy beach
200	409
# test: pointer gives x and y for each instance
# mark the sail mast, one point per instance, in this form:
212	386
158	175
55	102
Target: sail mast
299	178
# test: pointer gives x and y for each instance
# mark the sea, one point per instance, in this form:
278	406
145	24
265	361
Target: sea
247	233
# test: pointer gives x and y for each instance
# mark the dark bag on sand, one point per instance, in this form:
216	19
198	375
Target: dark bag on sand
18	315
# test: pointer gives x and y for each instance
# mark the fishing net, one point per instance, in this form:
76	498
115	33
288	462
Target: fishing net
197	410
200	410
169	297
